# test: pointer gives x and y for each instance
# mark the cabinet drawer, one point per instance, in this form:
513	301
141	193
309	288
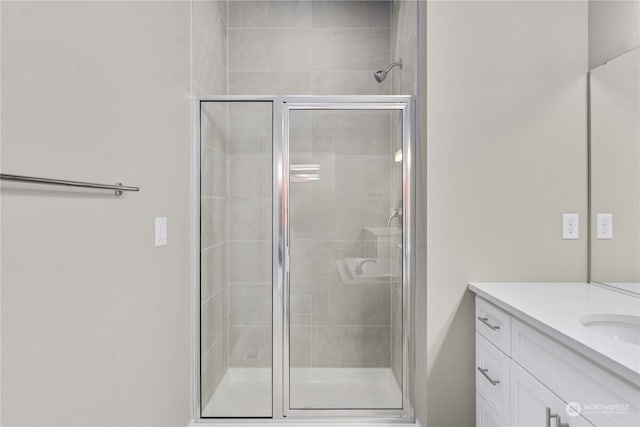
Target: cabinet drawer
533	405
485	414
494	324
492	376
604	398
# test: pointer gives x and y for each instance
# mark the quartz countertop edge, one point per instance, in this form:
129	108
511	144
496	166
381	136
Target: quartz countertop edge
625	369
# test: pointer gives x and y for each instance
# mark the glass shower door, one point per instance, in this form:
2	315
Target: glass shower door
345	319
236	339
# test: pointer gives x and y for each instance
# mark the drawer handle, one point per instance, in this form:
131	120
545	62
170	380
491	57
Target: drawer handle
559	422
491	380
485	320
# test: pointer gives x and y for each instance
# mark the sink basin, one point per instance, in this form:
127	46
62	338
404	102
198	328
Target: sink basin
619	327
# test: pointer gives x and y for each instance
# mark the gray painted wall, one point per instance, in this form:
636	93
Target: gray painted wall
96	321
614	28
506	156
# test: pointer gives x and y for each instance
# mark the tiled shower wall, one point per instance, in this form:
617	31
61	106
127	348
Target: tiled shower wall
308	47
289	47
336	323
209	77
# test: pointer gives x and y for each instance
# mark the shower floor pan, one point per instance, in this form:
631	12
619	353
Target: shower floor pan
246	392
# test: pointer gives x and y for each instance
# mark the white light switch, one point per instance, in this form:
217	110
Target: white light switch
161	231
570	226
604	224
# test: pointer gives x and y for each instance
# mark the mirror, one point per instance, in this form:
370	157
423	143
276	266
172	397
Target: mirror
615	170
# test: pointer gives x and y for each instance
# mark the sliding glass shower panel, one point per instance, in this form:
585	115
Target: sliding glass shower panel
235	279
345	317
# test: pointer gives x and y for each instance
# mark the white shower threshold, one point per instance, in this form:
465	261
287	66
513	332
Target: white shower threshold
246	392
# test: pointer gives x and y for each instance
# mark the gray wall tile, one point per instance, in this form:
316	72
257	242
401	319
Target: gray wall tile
250	261
250	304
352	14
250	346
269	82
360	304
269	50
351	346
350	49
270	14
213	270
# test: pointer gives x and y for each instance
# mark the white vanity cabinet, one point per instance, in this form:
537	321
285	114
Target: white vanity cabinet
525	378
534	405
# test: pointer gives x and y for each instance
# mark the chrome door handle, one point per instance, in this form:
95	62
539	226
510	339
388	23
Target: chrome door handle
559	422
485	320
486	375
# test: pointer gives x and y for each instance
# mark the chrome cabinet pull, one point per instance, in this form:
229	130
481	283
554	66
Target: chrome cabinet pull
485	320
486	375
559	422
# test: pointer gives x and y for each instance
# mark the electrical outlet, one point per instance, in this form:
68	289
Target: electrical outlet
604	226
570	226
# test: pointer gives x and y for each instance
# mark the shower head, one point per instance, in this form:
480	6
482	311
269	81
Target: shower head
380	75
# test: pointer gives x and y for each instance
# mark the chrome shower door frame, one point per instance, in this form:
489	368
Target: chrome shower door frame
282	107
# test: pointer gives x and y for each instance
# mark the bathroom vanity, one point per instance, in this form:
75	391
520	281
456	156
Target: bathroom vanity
557	354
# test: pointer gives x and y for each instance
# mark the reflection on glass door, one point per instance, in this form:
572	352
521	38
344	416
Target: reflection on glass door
345	292
235	271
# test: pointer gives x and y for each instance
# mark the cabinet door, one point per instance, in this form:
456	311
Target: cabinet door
485	415
530	400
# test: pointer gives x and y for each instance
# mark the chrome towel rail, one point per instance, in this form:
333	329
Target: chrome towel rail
117	188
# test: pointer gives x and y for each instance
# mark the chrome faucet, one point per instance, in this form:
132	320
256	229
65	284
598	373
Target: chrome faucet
395	213
360	264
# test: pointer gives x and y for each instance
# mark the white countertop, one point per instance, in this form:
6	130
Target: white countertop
556	309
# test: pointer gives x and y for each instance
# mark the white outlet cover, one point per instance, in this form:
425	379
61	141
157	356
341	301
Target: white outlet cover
570	226
161	231
604	226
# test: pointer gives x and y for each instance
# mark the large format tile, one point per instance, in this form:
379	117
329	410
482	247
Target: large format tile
269	82
333	218
250	133
212	320
341	82
351	346
360	304
213	172
300	346
269	50
350	49
288	13
250	219
250	176
213	221
250	261
250	304
250	346
341	13
214	365
210	63
213	270
213	125
353	132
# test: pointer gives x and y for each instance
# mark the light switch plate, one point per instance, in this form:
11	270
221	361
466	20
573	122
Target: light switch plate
570	226
161	231
604	226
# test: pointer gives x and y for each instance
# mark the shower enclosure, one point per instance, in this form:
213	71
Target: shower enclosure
304	297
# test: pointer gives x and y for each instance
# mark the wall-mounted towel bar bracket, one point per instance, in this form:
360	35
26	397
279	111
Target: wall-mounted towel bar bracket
117	188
